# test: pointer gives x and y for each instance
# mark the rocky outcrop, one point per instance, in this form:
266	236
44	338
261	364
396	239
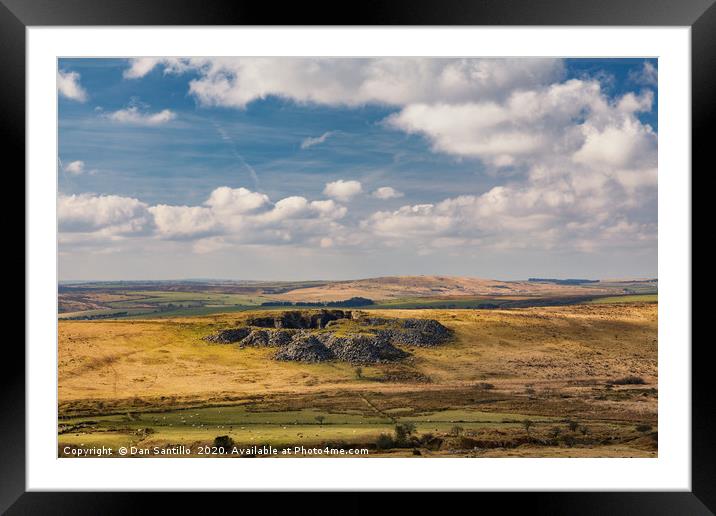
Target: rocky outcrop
304	348
418	332
270	338
279	338
318	336
363	349
228	336
300	320
257	338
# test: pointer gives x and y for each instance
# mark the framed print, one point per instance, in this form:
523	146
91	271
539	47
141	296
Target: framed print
437	250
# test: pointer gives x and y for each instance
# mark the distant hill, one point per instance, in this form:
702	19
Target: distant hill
392	287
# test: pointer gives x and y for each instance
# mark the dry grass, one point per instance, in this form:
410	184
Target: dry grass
110	359
550	363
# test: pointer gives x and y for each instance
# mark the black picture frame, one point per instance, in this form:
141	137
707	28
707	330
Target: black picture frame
700	15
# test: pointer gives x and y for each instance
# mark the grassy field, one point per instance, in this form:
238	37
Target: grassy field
155	382
115	300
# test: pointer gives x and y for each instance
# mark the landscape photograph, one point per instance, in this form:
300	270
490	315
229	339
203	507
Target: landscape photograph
275	257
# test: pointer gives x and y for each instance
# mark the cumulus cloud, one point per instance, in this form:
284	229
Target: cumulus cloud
343	190
75	167
229	216
109	215
235	82
310	142
627	144
135	115
386	192
227	201
68	86
329	209
554	208
177	222
587	172
576	167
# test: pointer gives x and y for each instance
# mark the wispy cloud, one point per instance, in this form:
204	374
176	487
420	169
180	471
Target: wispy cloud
647	75
135	115
232	145
311	141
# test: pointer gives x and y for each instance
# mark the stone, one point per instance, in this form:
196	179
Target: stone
304	348
300	320
363	349
228	336
257	338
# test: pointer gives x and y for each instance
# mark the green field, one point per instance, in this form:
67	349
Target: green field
269	428
133	300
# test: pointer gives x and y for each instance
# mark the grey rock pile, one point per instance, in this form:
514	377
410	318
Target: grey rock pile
257	338
278	338
418	332
364	349
304	348
311	337
228	336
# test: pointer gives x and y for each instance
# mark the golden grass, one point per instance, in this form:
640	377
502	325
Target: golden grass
124	359
545	364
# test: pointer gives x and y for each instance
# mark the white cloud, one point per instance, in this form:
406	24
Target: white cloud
230	216
183	221
329	209
627	144
343	190
140	66
386	192
231	201
68	85
575	167
310	142
108	214
409	222
527	123
134	115
235	82
575	208
587	181
75	167
287	208
648	75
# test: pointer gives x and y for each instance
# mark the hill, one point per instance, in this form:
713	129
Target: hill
394	287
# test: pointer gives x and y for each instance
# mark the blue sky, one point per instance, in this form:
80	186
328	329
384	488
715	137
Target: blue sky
144	143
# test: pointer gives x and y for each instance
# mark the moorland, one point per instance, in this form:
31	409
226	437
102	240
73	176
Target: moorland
531	368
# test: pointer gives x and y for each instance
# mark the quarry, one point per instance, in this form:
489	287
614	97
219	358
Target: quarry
343	335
